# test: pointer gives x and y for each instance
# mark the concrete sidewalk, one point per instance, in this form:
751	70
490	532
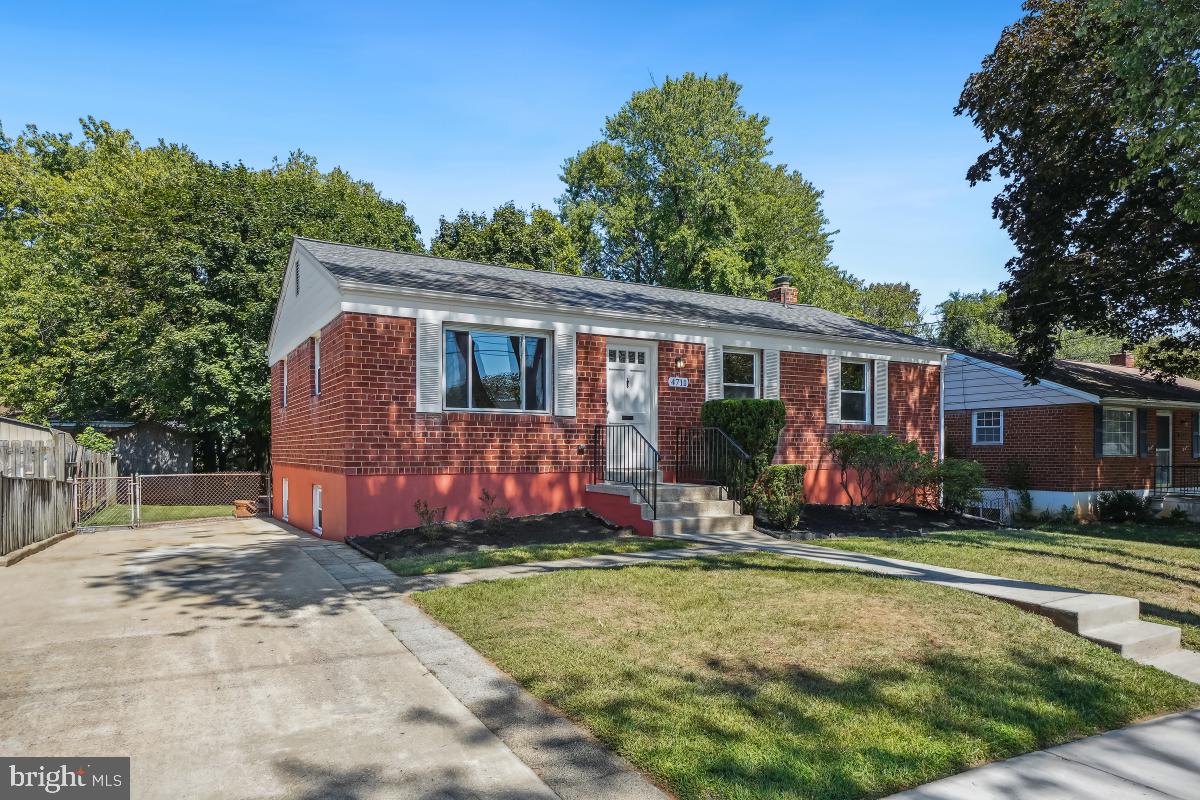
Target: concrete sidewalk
1153	760
227	662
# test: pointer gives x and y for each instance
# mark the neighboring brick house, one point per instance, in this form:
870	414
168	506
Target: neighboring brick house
1084	428
398	377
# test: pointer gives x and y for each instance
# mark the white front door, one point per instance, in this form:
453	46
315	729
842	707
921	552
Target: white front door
1162	452
630	403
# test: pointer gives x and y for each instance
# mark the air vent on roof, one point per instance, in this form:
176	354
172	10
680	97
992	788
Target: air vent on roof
297	278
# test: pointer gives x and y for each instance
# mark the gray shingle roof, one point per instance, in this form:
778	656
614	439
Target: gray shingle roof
1106	380
469	278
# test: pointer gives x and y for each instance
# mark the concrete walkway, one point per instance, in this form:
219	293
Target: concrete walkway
1156	760
227	662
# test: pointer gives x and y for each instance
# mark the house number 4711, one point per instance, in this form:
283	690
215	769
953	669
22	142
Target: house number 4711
677	382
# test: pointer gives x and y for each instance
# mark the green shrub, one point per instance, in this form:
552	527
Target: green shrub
1018	476
960	479
1121	506
94	440
874	461
778	495
753	424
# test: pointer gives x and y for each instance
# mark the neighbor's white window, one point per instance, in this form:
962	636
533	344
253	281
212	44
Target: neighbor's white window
988	427
1120	432
285	499
316	366
492	370
285	383
317	509
740	373
856	387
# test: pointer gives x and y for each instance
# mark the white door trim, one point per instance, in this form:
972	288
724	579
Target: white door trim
1170	418
652	357
285	500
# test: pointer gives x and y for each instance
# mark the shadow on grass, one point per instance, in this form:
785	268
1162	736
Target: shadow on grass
966	708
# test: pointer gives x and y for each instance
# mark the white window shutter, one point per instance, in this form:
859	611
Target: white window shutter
564	373
713	372
833	389
880	401
429	368
770	368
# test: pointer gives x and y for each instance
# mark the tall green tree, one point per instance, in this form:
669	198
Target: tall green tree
974	321
141	281
892	305
679	192
533	240
1089	109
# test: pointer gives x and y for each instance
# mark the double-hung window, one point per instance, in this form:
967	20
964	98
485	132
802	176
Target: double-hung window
740	373
1120	432
491	370
856	386
987	427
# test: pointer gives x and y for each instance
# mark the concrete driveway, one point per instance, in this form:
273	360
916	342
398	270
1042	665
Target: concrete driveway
228	663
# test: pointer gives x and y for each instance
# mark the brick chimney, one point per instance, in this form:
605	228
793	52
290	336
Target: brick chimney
1122	359
784	292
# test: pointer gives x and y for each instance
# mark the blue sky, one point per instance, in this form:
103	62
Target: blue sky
471	105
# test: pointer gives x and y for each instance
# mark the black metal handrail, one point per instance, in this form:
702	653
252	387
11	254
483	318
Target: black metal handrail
709	455
1177	479
621	454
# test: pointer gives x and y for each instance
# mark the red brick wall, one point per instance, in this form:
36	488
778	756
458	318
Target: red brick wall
678	407
1057	442
311	431
368	424
913	396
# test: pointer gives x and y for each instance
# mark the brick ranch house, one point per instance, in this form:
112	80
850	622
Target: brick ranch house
398	377
1083	429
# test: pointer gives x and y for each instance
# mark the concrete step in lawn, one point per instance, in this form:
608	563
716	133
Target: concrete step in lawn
693	508
739	522
1184	663
1137	640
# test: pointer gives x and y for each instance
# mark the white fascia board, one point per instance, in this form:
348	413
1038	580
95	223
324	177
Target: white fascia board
1058	387
1164	404
370	299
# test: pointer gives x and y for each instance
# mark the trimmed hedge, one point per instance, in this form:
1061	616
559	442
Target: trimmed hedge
754	424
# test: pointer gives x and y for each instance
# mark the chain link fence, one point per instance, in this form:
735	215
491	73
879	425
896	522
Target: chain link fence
167	498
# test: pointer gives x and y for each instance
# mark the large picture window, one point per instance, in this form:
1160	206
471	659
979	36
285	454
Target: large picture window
856	382
1120	433
489	370
739	371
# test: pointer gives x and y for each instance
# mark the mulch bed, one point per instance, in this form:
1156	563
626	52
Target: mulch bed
830	522
469	536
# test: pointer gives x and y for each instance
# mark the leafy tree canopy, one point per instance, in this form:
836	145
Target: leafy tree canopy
1090	110
533	240
892	305
679	192
142	280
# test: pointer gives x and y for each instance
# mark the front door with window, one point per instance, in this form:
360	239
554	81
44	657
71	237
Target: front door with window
630	405
1162	443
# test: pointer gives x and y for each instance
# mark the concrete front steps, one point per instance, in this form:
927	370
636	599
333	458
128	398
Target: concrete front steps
683	508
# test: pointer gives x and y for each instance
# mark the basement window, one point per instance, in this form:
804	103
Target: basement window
495	371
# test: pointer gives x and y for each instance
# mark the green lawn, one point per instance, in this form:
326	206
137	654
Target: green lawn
119	514
426	565
1157	564
758	676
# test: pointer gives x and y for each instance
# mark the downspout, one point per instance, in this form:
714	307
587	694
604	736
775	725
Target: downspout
942	424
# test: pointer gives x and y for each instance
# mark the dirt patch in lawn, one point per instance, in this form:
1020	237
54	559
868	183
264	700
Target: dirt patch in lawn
828	522
471	536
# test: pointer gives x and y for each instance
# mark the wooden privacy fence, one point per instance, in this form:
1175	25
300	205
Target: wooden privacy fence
60	459
32	510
